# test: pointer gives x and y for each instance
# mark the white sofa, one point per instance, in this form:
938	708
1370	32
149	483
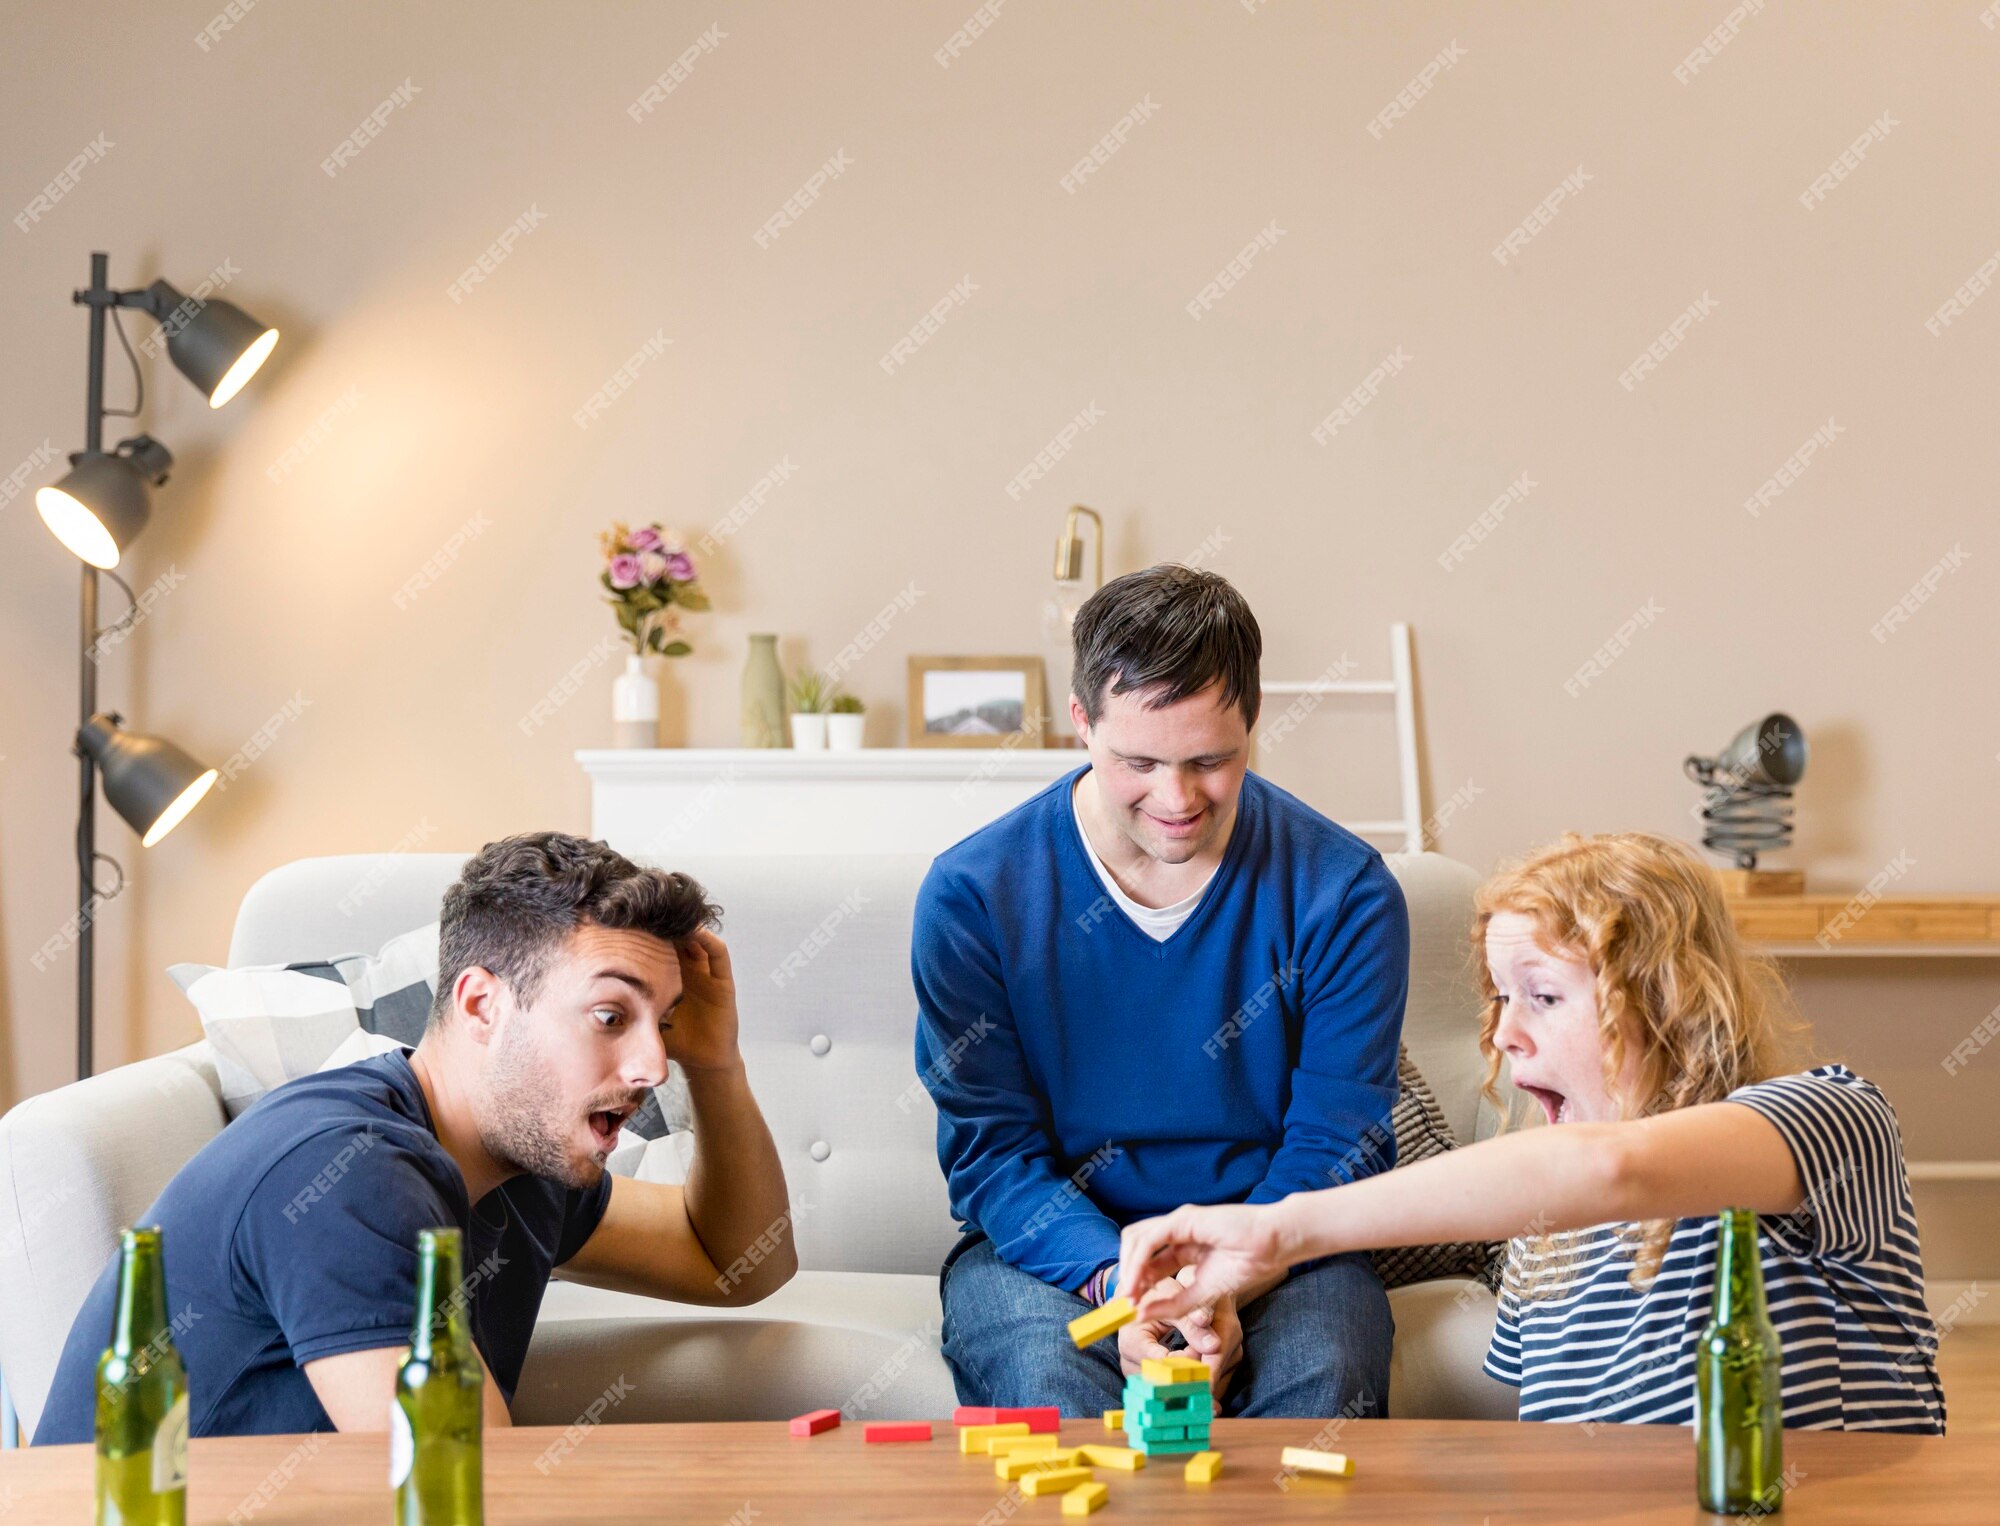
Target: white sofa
831	1058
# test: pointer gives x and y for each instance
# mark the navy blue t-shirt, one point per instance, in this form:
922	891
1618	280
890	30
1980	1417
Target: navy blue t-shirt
292	1235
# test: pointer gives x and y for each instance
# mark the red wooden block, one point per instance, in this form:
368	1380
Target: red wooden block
975	1414
1041	1420
812	1424
918	1430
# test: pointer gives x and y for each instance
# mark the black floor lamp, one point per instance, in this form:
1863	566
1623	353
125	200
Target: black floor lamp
96	510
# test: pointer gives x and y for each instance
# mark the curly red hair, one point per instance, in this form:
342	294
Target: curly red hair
1672	974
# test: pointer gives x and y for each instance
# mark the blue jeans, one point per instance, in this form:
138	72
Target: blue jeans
1315	1346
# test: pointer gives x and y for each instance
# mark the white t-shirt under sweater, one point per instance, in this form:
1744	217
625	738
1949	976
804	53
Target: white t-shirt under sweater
1157	922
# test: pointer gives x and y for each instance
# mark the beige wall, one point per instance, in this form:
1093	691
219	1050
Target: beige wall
464	409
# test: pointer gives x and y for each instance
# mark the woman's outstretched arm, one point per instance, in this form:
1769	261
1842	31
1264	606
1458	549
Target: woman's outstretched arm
1690	1162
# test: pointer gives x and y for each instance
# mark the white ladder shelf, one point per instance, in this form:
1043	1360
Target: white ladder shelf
1410	825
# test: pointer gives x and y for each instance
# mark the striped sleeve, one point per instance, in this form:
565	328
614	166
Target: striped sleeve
1845	1141
1503	1352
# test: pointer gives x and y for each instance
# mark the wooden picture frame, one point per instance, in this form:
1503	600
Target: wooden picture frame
946	693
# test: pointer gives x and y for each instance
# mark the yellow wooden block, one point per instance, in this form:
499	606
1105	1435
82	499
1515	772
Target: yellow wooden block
1114	1314
1203	1468
1173	1369
1014	1446
1021	1464
973	1438
1083	1499
1055	1480
1113	1457
1327	1464
1114	1419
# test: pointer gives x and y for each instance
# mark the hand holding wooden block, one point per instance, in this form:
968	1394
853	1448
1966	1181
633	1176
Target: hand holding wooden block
1115	1314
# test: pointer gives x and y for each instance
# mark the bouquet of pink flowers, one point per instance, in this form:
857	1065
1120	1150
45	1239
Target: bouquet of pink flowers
650	578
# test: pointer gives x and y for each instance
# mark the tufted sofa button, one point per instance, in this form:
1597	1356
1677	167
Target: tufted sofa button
820	1149
821	1043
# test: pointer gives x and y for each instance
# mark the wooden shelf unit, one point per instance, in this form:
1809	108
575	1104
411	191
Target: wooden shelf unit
1817	926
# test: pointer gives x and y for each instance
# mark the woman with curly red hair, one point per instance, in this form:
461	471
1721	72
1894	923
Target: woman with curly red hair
1621	1000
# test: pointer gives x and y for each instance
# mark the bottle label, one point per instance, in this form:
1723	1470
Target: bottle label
170	1449
402	1445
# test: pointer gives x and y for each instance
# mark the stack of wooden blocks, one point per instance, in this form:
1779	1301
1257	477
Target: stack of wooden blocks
1168	1406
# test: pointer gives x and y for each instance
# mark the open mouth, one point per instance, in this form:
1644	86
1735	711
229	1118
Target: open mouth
605	1124
1554	1103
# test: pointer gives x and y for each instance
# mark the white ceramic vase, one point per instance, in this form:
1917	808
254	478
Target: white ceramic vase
635	706
843	731
809	733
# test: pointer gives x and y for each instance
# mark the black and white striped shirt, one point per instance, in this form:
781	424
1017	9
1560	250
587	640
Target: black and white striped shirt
1843	1280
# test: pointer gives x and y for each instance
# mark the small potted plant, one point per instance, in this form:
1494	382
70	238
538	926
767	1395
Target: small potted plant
845	723
809	693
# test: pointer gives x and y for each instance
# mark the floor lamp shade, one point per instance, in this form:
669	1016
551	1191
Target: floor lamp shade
219	347
147	780
103	502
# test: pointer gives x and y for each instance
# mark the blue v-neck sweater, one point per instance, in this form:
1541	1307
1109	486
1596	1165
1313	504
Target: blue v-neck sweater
1086	1076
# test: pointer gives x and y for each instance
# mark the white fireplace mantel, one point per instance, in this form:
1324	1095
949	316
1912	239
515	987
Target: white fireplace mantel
648	803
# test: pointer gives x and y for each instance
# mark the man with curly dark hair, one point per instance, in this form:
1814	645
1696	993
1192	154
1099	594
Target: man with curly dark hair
568	978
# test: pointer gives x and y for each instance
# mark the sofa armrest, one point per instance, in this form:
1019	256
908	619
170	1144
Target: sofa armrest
79	1165
1442	1330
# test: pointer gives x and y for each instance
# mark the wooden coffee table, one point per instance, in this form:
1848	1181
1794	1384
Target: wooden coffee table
1406	1471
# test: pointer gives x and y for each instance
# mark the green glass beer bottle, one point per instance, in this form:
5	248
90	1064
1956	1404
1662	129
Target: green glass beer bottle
142	1398
1739	1437
435	1421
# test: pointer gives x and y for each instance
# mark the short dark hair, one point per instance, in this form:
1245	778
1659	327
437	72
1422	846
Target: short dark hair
517	901
1170	631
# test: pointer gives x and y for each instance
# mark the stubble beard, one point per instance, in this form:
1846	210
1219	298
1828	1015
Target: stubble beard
518	1129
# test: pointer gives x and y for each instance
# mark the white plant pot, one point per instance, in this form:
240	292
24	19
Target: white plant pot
843	731
809	733
635	706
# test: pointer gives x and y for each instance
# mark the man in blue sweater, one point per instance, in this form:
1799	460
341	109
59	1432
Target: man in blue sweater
1161	980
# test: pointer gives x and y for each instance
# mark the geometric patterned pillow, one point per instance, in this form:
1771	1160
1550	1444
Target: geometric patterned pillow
1421	1132
273	1023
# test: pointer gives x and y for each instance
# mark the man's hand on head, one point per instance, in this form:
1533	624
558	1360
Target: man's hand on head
704	1031
725	1238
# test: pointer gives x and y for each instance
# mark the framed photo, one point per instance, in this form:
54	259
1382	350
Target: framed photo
977	702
